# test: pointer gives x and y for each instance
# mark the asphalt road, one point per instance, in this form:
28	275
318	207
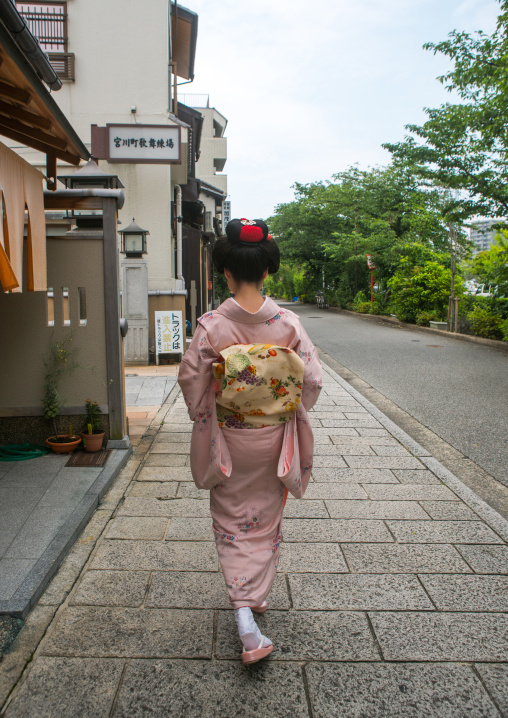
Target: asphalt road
457	389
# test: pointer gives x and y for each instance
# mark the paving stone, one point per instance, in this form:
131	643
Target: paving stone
382	462
168	431
157	459
442	636
340	433
153	489
131	633
196	508
331	530
449	510
312	558
337	450
391	451
366	509
336	414
416	476
495	679
189	490
364	441
373	432
155	556
194	689
297	509
442	532
467	593
203	590
334	491
168	473
351	476
141	528
321	439
46	691
409	558
112	588
332	462
486	559
413	690
361	423
360	592
185	529
305	635
412	492
165	447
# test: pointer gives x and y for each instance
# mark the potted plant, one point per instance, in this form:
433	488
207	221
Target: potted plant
57	363
94	435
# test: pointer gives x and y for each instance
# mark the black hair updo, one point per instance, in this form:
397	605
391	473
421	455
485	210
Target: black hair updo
247	251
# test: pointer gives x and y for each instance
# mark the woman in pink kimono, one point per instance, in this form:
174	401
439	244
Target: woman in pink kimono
249	377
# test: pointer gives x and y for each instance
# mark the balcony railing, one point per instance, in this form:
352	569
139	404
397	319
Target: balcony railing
63	64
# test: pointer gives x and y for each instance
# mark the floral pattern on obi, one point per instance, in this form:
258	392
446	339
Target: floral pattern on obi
257	385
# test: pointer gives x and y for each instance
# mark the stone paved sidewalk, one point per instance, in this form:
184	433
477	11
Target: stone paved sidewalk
391	599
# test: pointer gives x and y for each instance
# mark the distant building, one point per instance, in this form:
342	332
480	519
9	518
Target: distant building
482	234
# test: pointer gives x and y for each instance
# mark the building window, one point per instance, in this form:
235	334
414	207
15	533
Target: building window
65	307
51	307
208	222
47	22
82	306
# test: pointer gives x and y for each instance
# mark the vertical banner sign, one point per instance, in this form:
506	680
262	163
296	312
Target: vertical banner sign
168	334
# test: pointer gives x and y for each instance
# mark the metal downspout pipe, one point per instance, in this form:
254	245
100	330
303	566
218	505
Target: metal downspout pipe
179	220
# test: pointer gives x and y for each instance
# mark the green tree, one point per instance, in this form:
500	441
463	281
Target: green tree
463	145
419	289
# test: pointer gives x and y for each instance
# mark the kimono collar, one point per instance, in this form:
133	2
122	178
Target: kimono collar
234	311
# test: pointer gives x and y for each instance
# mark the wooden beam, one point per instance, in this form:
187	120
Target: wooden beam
31	132
13	111
51	170
14	93
39	145
61	203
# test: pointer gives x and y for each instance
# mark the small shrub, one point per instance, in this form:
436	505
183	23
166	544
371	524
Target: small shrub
423	318
375	308
362	307
504	329
359	299
485	324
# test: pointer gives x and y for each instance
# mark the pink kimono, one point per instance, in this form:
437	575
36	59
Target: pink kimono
248	470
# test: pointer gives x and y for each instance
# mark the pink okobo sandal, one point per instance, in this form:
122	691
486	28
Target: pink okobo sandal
257	654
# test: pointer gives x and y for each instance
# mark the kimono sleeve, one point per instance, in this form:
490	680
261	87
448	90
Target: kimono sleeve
312	373
195	373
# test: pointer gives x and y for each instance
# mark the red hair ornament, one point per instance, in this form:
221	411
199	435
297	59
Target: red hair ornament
247	231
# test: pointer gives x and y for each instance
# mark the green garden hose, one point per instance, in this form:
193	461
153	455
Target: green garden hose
21	452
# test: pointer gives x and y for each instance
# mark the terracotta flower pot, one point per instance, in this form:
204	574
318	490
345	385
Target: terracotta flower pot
64	447
92	442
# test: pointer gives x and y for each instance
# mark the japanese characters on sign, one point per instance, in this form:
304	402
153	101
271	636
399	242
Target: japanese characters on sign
370	262
168	333
144	143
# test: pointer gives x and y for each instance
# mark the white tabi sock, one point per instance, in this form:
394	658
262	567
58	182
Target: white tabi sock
248	630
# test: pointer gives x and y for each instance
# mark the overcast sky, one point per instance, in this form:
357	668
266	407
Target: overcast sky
309	88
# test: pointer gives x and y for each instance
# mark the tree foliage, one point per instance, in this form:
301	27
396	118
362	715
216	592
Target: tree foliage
463	145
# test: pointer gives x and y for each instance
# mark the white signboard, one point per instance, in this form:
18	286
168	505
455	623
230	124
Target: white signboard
168	334
145	144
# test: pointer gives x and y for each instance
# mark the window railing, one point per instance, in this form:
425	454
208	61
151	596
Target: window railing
63	64
47	21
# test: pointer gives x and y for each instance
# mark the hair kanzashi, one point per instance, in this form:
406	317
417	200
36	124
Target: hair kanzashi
247	251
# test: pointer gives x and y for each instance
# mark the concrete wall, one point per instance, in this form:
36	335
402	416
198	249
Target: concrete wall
72	263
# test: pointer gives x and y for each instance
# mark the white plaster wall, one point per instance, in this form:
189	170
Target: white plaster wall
211	147
121	50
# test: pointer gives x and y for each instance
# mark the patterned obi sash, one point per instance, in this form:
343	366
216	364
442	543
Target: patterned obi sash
257	385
